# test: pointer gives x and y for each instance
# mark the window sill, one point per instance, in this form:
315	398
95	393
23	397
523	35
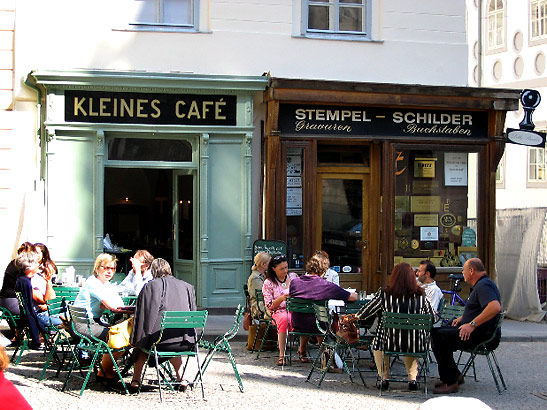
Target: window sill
536	184
338	37
158	29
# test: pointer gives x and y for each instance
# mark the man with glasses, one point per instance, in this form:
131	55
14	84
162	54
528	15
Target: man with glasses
140	275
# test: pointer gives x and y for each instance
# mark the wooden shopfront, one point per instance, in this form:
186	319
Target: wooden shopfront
377	174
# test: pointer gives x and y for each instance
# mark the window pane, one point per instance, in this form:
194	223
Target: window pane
177	12
351	19
137	149
143	11
352	1
318	18
185	217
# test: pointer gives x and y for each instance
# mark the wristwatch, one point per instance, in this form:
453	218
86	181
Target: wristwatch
472	323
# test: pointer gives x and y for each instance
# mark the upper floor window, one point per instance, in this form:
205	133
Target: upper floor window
164	14
536	167
496	26
339	17
538	17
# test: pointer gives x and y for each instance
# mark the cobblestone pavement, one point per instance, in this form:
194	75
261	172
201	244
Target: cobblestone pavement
267	386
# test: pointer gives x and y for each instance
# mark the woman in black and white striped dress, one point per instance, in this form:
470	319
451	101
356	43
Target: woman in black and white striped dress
401	295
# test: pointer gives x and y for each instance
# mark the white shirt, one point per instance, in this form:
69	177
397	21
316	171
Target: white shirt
332	276
433	294
133	284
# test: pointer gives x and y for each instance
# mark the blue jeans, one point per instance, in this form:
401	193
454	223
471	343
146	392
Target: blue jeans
46	320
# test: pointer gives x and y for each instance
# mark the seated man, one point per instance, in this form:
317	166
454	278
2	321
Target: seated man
477	324
140	275
425	274
164	293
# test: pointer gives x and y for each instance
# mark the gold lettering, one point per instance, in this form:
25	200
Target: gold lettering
140	108
178	108
78	106
400	157
126	108
218	109
194	110
205	108
102	107
91	112
115	114
155	107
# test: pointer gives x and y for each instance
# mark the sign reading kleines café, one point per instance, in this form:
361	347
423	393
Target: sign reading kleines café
377	121
149	108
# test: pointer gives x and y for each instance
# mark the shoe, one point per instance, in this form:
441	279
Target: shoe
334	369
281	361
134	387
384	385
446	389
461	380
412	385
303	358
184	384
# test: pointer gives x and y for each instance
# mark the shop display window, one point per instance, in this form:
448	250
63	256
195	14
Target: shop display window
295	221
435	206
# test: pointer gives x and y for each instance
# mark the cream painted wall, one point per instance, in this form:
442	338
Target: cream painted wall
515	193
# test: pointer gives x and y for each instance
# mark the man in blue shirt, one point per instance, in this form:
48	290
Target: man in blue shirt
477	324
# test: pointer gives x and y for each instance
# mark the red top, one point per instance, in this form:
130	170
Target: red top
10	394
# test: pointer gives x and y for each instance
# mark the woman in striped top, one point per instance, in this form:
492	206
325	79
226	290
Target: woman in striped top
401	295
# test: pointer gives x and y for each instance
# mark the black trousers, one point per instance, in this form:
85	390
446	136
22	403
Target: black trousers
446	340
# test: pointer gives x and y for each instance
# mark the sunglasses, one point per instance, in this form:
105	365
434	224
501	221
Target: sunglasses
280	258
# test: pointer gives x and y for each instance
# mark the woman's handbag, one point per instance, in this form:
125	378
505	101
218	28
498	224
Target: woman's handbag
347	329
247	320
119	336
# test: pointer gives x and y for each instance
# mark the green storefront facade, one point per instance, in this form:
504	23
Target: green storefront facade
159	161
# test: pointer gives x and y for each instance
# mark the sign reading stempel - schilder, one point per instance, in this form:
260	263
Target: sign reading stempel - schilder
379	121
149	108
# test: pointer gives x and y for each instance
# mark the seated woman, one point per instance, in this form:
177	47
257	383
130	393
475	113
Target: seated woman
276	291
28	263
7	293
42	287
163	293
97	295
401	295
313	286
256	281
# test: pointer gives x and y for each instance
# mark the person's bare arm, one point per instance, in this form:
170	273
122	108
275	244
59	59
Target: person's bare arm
489	312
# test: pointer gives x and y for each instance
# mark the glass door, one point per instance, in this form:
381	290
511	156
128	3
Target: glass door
343	224
184	226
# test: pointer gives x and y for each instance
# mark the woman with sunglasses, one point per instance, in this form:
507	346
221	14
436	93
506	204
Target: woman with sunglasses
276	291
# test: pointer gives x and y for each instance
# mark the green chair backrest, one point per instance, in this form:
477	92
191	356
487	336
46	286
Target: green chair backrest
322	317
184	320
235	326
299	305
451	312
354	307
407	321
260	303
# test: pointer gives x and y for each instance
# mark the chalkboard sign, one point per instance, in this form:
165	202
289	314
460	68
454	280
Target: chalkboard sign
273	247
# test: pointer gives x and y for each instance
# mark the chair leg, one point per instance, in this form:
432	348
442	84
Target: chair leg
499	371
264	336
326	369
200	374
232	360
158	373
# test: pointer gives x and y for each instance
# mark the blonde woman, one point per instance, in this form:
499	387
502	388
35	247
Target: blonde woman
256	281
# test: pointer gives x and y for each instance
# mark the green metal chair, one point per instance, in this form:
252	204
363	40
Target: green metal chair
483	349
61	344
24	332
177	320
9	317
450	312
332	343
366	336
94	347
66	291
408	322
305	306
266	319
222	344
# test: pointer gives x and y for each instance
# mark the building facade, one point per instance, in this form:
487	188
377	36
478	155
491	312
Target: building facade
148	121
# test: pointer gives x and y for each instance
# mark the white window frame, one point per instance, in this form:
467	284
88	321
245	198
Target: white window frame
538	21
333	32
492	16
536	182
500	172
197	23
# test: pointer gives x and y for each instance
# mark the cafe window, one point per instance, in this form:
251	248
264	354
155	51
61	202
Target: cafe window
435	206
141	149
338	17
163	14
294	205
329	155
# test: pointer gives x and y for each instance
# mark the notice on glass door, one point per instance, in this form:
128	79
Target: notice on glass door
455	169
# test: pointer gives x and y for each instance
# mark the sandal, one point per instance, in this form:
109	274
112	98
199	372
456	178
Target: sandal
303	358
281	361
134	387
184	384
